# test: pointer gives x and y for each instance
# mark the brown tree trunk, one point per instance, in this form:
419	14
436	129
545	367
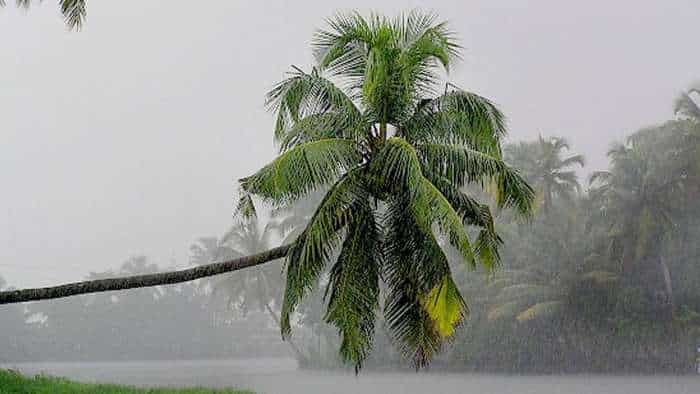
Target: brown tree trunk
136	281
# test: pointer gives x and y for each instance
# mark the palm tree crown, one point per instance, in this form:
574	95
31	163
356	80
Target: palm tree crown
635	196
543	164
370	122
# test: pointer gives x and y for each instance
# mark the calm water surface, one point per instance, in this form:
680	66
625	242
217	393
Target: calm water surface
274	376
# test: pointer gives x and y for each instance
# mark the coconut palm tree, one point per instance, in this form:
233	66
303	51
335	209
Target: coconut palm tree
543	164
258	288
74	11
370	121
635	201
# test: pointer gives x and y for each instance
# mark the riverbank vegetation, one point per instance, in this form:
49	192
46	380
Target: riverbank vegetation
15	383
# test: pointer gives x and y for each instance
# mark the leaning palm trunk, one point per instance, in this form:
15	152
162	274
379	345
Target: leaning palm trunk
136	281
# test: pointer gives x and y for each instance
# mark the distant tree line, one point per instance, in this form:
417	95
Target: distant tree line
170	322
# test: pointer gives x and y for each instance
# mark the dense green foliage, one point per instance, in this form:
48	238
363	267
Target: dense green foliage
371	123
14	383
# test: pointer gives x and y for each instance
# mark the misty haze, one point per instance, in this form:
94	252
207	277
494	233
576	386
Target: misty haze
350	197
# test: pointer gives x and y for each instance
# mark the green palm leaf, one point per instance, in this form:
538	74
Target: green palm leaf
461	165
312	250
445	306
320	126
302	169
73	11
353	288
397	168
303	94
458	117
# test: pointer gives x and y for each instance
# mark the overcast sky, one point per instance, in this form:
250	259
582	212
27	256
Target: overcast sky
127	137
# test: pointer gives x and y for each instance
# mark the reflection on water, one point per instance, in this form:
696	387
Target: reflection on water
274	376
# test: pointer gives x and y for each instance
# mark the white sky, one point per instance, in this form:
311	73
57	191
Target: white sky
127	137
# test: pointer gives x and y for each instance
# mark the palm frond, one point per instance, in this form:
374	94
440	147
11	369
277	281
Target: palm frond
423	306
74	11
303	94
424	45
429	203
342	49
353	287
319	126
445	306
461	165
346	33
473	214
458	117
397	169
409	323
245	207
312	250
301	170
419	33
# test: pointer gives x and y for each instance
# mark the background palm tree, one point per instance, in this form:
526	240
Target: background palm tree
635	199
369	120
258	288
543	164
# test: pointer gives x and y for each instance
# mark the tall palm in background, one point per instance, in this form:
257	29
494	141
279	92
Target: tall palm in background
635	198
253	289
258	288
542	162
371	120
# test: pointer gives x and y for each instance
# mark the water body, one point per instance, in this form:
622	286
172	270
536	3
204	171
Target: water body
273	376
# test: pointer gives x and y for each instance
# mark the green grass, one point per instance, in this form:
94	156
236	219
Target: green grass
14	383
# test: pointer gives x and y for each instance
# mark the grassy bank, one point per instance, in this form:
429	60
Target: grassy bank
15	383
